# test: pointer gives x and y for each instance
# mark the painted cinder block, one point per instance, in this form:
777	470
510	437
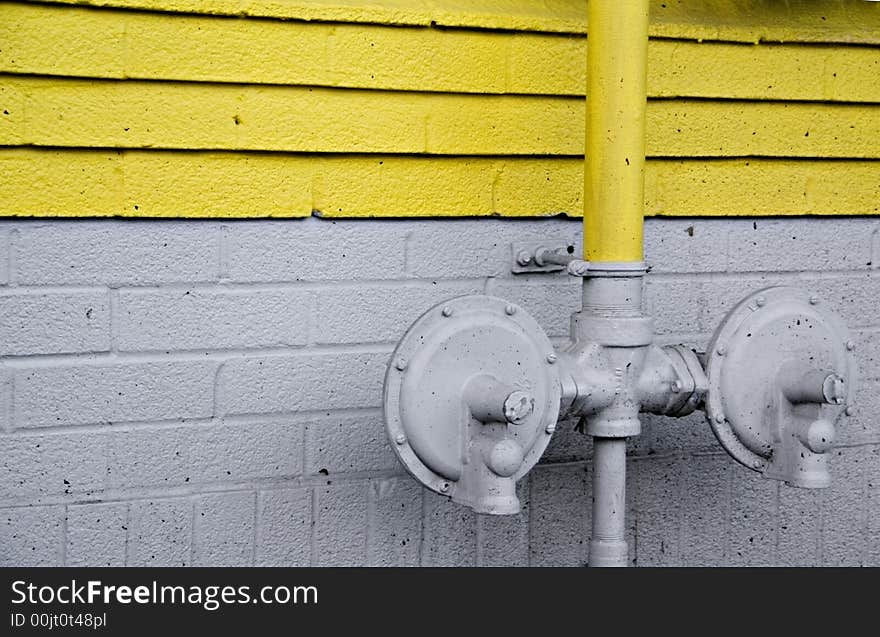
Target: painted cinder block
284	527
394	537
96	534
160	532
36	322
348	443
32	536
270	384
658	509
450	533
109	393
223	529
379	313
207	319
341	519
114	254
559	512
704	501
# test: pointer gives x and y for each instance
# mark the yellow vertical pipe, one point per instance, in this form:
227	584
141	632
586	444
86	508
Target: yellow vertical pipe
614	174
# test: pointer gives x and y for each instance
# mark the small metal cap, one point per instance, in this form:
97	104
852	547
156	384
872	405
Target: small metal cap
761	301
676	386
850	346
833	390
444	487
400	364
510	310
446	311
850	410
719	418
579	267
518	406
721	350
550	428
523	258
814	300
551	358
400	439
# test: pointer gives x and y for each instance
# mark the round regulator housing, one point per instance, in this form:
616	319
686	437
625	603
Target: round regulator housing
471	400
781	371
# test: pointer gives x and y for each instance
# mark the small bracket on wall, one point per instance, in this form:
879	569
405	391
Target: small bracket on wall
541	256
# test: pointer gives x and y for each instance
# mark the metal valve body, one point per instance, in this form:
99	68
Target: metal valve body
474	391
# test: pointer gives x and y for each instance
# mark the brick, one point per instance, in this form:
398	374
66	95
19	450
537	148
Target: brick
450	248
295	383
872	510
658	510
85	394
843	506
339	444
31	536
315	250
54	323
395	526
551	302
96	534
35	467
223	533
568	444
284	527
757	245
753	518
688	245
559	514
375	314
863	426
160	532
705	509
115	253
7	381
5	248
197	454
799	521
340	524
183	319
450	533
662	435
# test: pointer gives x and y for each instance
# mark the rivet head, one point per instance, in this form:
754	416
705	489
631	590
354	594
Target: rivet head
757	464
676	386
814	300
444	487
721	350
400	439
719	418
761	301
400	364
550	428
551	358
510	310
850	345
850	410
447	311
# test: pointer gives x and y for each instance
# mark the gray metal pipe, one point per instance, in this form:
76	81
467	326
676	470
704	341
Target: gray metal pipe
608	544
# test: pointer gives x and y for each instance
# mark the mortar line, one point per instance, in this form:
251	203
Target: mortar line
256	528
314	521
12	239
64	538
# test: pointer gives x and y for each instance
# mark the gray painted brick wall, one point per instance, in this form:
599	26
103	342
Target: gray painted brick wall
199	392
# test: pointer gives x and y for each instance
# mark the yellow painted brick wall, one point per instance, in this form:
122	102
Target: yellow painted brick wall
229	108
